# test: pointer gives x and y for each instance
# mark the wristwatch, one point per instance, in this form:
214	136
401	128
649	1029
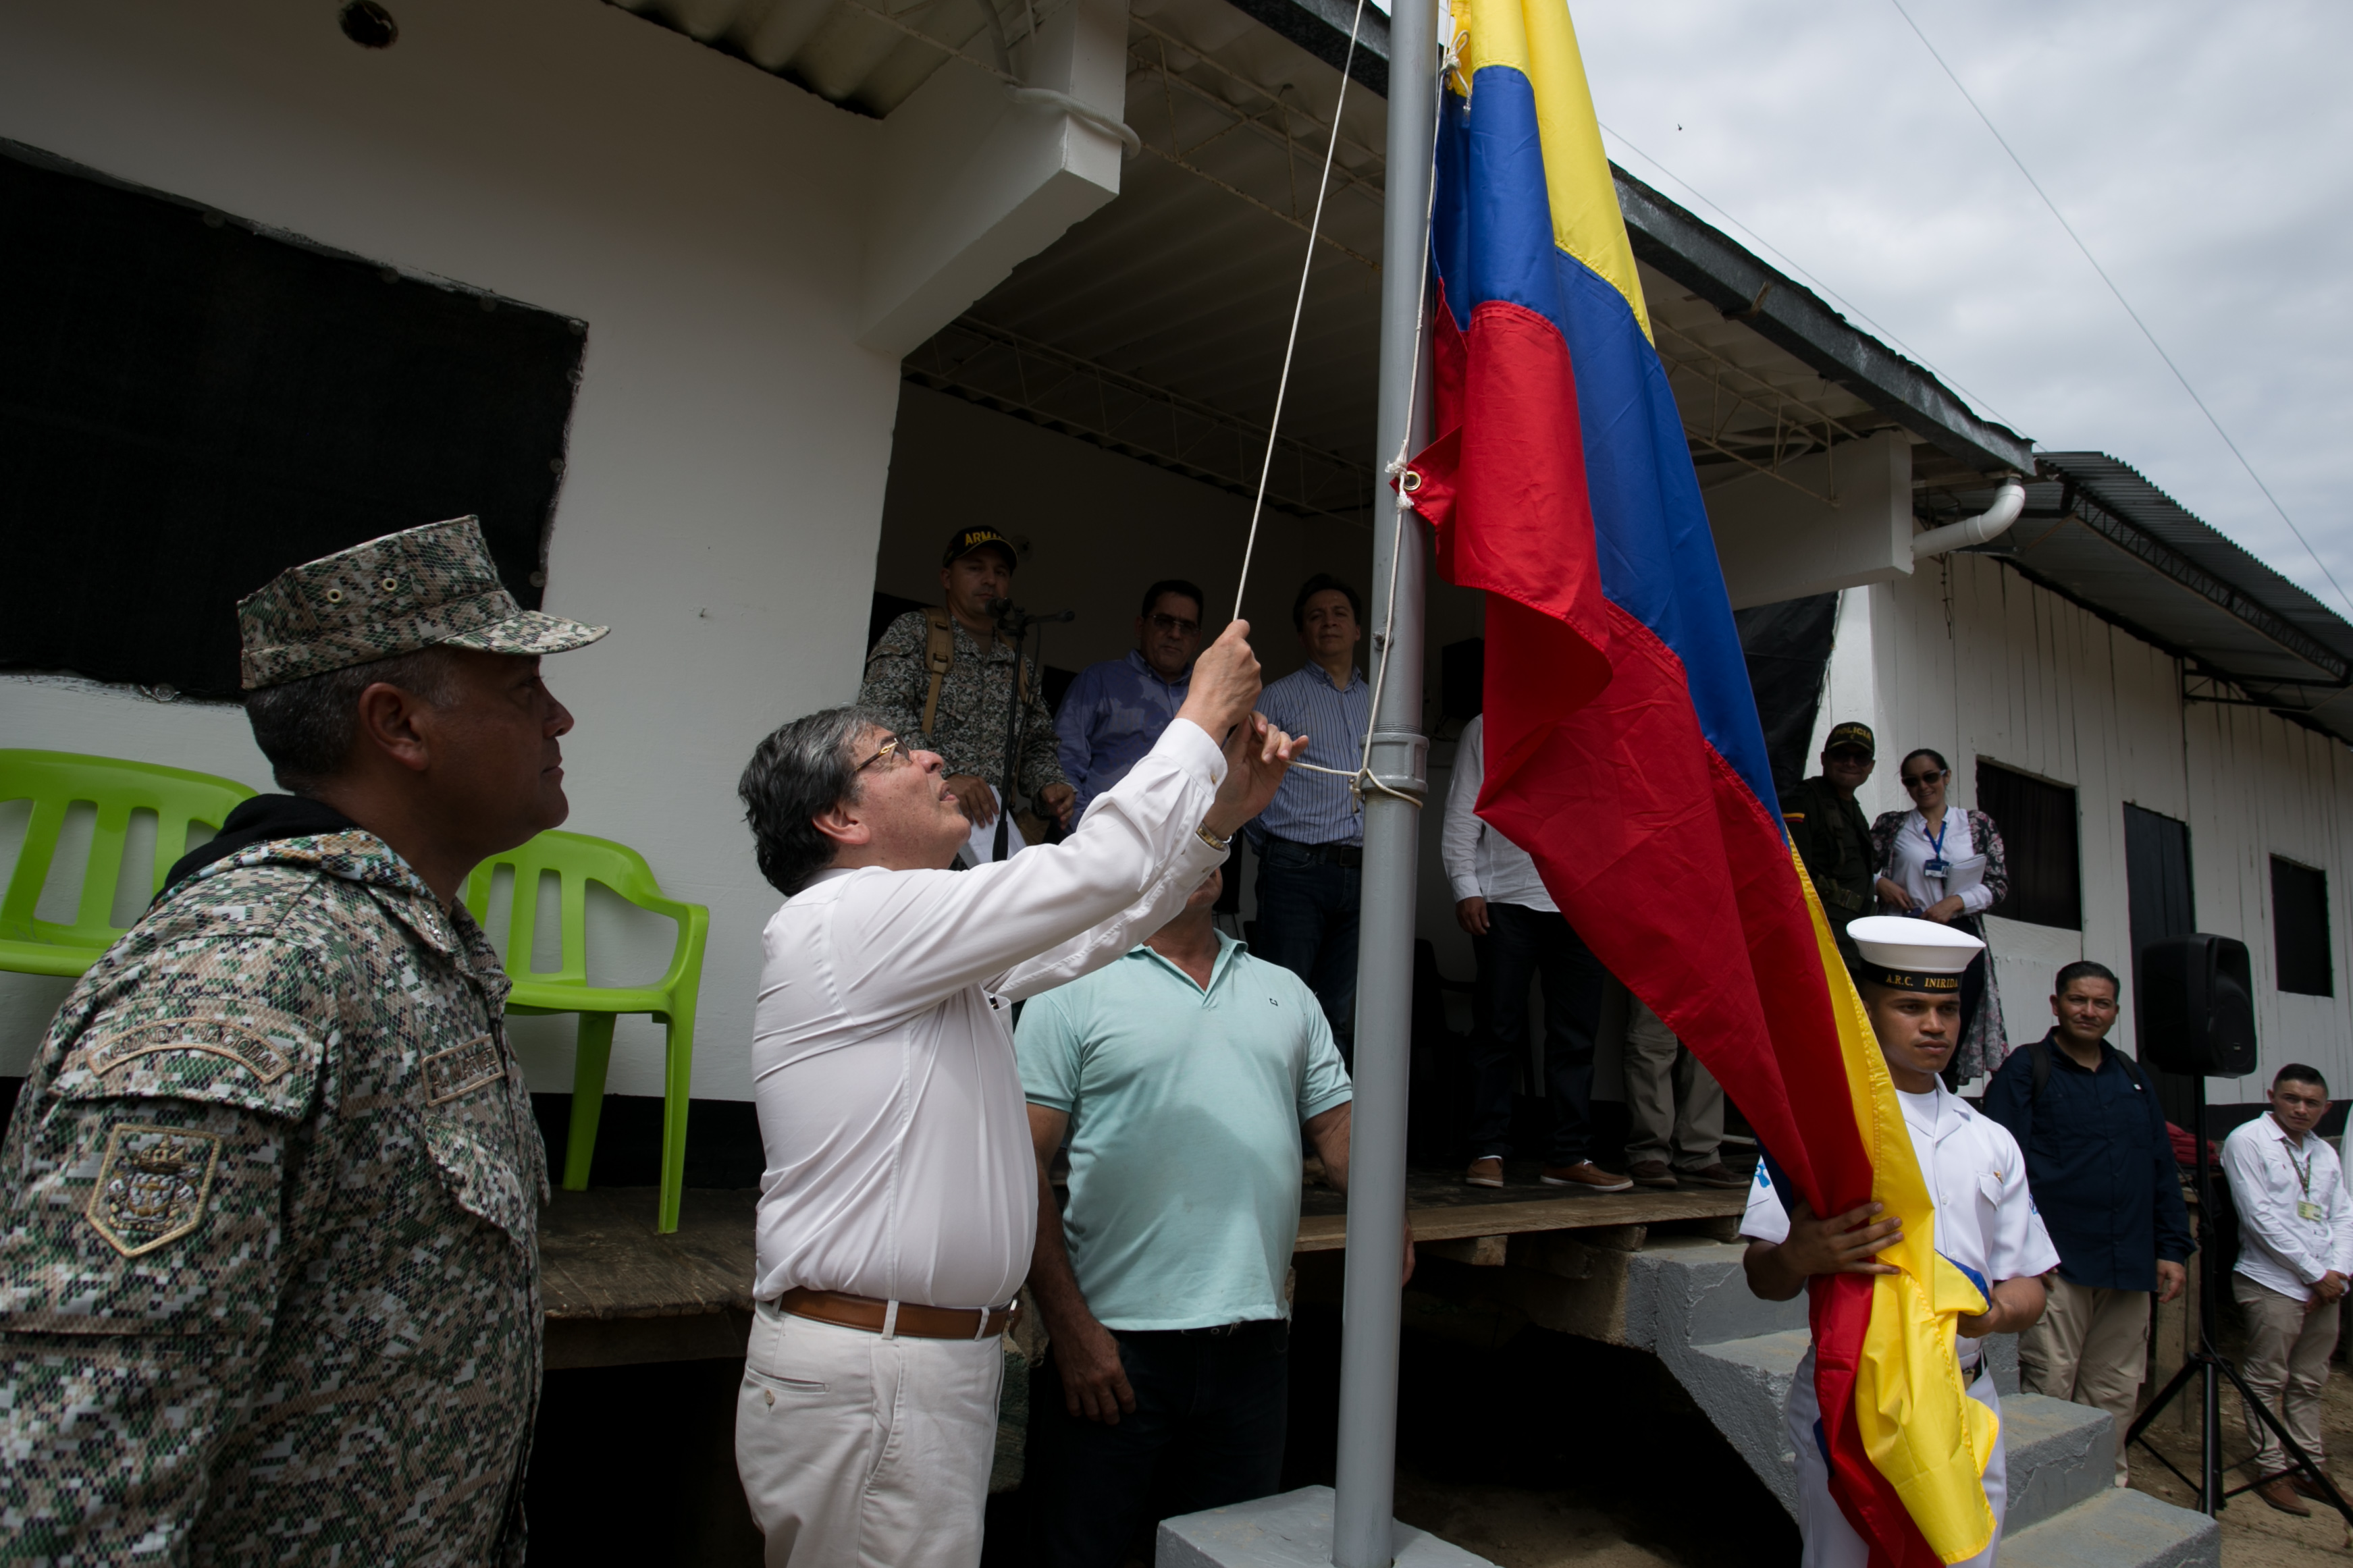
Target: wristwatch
1213	840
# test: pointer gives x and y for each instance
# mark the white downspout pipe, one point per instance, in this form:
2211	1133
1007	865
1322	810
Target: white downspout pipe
1987	524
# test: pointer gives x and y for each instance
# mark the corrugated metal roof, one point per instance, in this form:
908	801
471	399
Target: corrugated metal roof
2098	531
843	50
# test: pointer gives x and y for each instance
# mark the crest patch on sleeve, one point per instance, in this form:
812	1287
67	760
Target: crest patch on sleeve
462	1069
153	1185
240	1043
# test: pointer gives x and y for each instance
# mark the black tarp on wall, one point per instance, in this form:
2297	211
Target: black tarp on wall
1788	649
188	406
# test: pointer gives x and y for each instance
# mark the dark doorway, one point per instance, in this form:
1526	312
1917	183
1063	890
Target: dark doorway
2160	902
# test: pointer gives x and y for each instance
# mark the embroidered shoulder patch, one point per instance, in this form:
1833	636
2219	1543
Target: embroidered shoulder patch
239	1042
462	1069
153	1185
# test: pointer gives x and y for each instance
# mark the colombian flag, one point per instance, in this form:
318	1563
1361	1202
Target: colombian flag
1623	747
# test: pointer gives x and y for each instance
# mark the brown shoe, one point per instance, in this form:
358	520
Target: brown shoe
1716	1175
2282	1496
1585	1173
1485	1172
2305	1488
1652	1174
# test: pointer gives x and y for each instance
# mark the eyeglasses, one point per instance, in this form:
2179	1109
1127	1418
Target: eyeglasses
890	749
1171	623
1921	781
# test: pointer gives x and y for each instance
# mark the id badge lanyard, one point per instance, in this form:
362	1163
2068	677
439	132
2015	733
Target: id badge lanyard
1935	866
2306	1208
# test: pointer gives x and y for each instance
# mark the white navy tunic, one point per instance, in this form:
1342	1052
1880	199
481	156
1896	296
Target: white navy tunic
1986	1226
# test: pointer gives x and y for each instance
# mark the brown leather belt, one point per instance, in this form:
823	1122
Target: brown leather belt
915	1320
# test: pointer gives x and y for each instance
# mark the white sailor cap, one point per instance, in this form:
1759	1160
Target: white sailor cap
1908	953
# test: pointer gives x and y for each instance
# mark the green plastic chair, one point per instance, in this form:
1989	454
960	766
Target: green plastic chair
55	781
576	860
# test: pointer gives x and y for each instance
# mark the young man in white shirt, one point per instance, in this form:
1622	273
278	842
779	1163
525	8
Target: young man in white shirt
2295	1251
1984	1220
1518	932
900	1202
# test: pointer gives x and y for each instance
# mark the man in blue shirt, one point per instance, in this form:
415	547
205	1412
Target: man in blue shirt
2101	1164
1183	1076
1311	840
1114	711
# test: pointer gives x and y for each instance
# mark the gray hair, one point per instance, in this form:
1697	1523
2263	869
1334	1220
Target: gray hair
802	769
307	727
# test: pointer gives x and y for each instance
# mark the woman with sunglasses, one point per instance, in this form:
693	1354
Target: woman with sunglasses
1947	867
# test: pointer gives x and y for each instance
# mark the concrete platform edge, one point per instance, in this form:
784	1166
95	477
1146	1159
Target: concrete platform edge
1292	1530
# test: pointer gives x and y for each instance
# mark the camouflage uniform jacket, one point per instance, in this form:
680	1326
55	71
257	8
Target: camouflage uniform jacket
268	1239
969	731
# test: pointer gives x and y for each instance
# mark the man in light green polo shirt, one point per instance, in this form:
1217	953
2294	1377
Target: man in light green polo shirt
1183	1076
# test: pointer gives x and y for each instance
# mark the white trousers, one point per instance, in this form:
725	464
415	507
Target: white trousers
858	1451
1830	1541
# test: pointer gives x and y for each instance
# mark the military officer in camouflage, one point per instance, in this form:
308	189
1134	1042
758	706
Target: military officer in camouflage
947	675
1831	833
268	1255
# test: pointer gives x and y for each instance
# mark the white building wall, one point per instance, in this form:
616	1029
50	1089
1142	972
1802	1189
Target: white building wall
731	440
1969	658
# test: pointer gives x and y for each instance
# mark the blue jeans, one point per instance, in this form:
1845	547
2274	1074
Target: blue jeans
1212	1411
1307	923
1522	944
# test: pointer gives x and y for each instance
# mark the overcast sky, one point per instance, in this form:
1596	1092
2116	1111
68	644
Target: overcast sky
2204	151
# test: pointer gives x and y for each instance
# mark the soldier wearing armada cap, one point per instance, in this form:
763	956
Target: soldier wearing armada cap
268	1255
944	678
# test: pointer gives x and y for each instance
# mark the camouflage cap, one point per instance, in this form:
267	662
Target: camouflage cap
415	589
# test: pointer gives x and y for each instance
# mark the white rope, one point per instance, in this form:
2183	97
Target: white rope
1291	344
1361	779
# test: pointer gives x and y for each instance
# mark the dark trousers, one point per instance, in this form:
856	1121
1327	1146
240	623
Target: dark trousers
1522	944
1207	1430
1307	923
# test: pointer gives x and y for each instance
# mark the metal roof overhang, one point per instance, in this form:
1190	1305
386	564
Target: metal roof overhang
2098	534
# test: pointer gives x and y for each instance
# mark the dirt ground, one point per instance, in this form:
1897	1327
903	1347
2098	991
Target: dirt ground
1522	1527
2254	1534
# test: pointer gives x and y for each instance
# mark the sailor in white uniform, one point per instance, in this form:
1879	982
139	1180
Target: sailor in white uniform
1986	1223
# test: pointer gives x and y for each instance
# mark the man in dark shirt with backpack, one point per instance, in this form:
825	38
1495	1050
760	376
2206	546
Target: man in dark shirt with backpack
2101	1165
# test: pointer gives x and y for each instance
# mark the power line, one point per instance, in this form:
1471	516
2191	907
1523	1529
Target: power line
2120	294
1763	244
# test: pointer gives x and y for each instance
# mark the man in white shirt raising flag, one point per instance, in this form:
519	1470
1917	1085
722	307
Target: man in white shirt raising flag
898	1207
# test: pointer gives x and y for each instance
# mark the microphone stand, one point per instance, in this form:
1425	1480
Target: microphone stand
1014	621
2209	1365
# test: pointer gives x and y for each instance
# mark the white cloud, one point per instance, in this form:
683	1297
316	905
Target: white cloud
2205	153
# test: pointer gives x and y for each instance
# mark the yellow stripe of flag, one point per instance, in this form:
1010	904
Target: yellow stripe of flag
1536	38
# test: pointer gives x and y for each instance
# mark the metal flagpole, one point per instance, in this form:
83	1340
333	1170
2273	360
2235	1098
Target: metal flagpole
1366	1476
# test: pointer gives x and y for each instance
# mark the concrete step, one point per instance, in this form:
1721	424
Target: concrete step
2121	1528
1744	1386
2060	1454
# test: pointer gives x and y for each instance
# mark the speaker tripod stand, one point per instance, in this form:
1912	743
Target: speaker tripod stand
2208	1367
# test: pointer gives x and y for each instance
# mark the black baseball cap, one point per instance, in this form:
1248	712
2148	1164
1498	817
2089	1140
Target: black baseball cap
965	541
1854	736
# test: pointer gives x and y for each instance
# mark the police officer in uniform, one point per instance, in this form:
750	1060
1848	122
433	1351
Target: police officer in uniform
269	1248
947	675
1831	834
1985	1224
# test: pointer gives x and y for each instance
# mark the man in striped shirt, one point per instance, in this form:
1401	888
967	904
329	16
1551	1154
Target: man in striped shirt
1311	839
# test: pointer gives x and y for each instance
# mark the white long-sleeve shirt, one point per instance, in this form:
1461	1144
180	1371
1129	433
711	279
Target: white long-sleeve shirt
1480	862
899	1162
2279	1248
